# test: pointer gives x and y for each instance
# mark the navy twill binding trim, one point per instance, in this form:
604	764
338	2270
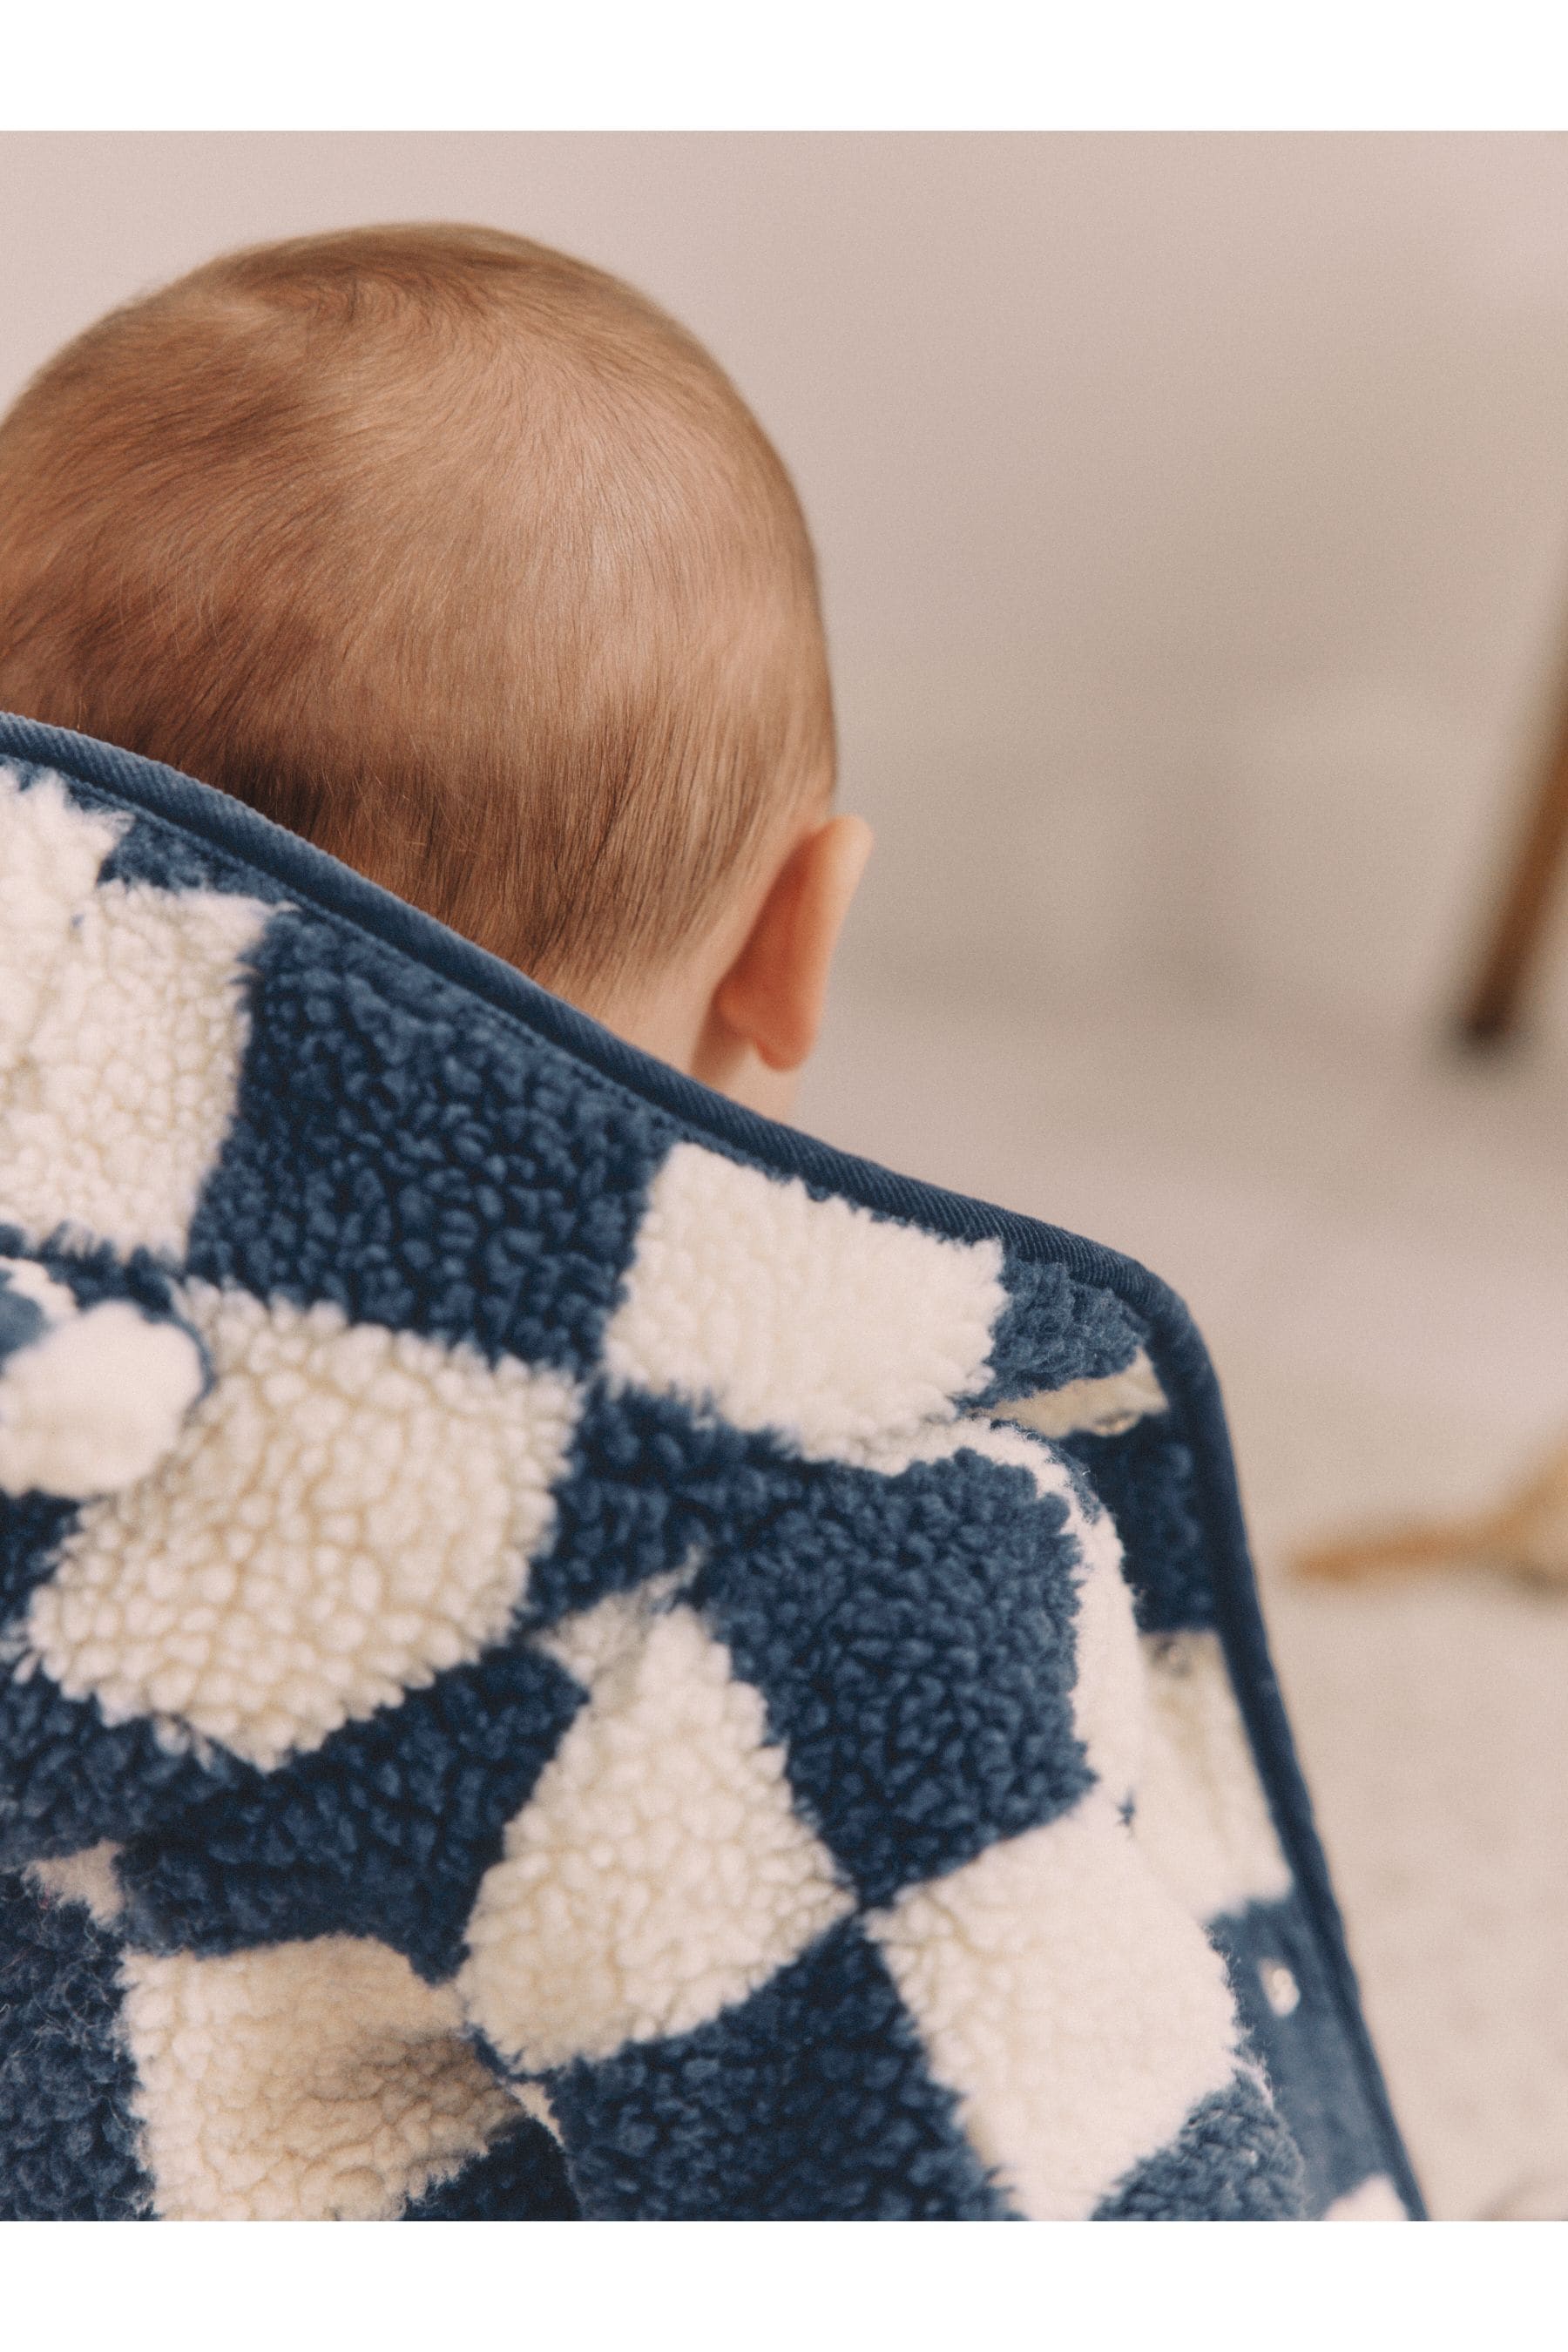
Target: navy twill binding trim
337	891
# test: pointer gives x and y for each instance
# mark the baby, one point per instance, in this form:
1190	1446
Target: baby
463	559
559	1648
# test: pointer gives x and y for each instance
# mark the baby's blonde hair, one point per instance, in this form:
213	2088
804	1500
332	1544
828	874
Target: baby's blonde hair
444	550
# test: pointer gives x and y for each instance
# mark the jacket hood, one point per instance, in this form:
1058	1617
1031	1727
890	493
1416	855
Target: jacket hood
751	1659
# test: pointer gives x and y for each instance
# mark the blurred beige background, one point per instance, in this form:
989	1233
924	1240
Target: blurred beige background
1193	517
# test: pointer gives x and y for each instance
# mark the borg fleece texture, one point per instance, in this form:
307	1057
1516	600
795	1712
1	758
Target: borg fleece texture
567	1653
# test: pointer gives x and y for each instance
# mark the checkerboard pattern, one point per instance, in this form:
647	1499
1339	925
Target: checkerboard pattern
558	1662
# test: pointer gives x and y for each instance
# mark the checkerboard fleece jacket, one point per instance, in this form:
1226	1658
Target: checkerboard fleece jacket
570	1654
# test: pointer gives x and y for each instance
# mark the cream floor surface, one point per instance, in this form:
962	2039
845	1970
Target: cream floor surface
1373	1238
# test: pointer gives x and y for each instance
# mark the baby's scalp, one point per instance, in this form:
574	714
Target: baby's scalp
446	550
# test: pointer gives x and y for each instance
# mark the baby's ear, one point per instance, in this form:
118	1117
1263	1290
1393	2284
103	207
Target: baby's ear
772	995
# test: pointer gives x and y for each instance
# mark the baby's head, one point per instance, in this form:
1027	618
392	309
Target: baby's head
461	558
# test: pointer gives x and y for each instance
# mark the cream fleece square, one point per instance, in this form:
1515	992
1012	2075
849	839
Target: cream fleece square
660	1871
816	1318
1075	2008
347	1512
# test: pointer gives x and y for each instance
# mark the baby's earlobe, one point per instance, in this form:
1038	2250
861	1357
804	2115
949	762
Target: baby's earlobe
773	994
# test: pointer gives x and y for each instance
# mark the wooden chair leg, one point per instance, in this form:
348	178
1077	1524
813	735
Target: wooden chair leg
1491	1013
1526	1536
